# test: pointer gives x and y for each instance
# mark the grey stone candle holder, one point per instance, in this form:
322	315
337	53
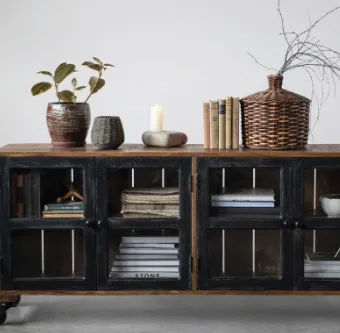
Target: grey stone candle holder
107	132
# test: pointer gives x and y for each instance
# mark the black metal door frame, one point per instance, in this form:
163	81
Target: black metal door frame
85	224
283	221
183	224
303	223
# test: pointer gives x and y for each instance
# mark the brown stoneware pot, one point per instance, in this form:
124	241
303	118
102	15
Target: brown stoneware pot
68	123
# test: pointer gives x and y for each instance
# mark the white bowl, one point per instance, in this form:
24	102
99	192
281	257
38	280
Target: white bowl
331	204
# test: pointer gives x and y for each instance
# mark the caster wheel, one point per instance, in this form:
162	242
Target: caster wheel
3	316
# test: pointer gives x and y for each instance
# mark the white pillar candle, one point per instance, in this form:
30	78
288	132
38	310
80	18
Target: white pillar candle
156	122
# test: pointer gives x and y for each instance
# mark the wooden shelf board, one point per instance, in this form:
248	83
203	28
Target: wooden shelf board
191	150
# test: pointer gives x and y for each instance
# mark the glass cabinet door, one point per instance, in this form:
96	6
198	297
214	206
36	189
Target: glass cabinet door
243	210
317	226
144	212
48	216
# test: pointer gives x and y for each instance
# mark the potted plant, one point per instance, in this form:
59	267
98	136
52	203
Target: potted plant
68	121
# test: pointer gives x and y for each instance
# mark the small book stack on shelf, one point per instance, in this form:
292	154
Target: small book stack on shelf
68	209
247	197
150	202
146	258
322	265
221	123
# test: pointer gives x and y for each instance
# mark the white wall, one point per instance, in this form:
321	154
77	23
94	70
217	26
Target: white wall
176	53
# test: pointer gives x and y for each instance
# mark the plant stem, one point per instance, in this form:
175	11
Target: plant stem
99	77
57	92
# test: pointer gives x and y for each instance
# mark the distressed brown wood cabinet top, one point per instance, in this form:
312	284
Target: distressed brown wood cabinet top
191	150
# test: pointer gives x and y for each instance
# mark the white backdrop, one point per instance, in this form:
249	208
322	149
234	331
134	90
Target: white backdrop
176	53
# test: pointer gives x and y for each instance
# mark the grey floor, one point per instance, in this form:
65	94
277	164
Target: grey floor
165	314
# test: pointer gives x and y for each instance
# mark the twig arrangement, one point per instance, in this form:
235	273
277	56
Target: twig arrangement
317	60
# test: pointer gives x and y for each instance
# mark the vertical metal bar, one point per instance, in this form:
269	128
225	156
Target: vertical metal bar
223	230
223	251
72	232
314	207
253	252
132	177
254	231
163	185
163	177
73	252
42	252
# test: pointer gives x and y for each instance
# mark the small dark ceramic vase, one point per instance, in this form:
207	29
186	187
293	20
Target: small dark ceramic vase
107	132
68	123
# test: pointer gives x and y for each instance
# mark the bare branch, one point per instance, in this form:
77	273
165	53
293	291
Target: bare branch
271	69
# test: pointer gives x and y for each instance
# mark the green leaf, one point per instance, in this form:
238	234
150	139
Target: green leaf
108	65
74	82
97	60
96	84
92	65
81	88
45	73
66	95
40	88
61	65
63	72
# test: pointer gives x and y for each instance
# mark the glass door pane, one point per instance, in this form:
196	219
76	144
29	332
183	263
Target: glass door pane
322	254
244	253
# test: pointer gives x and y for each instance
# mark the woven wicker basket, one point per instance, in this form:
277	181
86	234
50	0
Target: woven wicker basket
275	118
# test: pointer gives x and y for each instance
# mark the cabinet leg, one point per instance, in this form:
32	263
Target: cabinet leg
12	300
7	302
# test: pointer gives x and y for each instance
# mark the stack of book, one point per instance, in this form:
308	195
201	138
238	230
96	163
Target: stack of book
68	209
252	197
322	265
221	123
150	202
146	258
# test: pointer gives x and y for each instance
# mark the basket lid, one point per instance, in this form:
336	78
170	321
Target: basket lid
275	93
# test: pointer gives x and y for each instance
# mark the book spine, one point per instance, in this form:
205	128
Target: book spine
221	124
146	256
163	246
146	263
145	268
62	216
235	121
61	207
148	251
228	118
152	239
214	124
206	124
146	275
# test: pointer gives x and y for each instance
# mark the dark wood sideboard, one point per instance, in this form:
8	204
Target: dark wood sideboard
221	250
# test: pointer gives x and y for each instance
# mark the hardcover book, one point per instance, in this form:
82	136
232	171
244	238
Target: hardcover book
206	124
228	121
214	125
235	126
221	124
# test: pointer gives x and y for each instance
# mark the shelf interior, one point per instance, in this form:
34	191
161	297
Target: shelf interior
233	179
247	253
47	253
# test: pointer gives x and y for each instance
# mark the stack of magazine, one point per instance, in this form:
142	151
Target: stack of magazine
150	202
247	197
322	265
146	258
